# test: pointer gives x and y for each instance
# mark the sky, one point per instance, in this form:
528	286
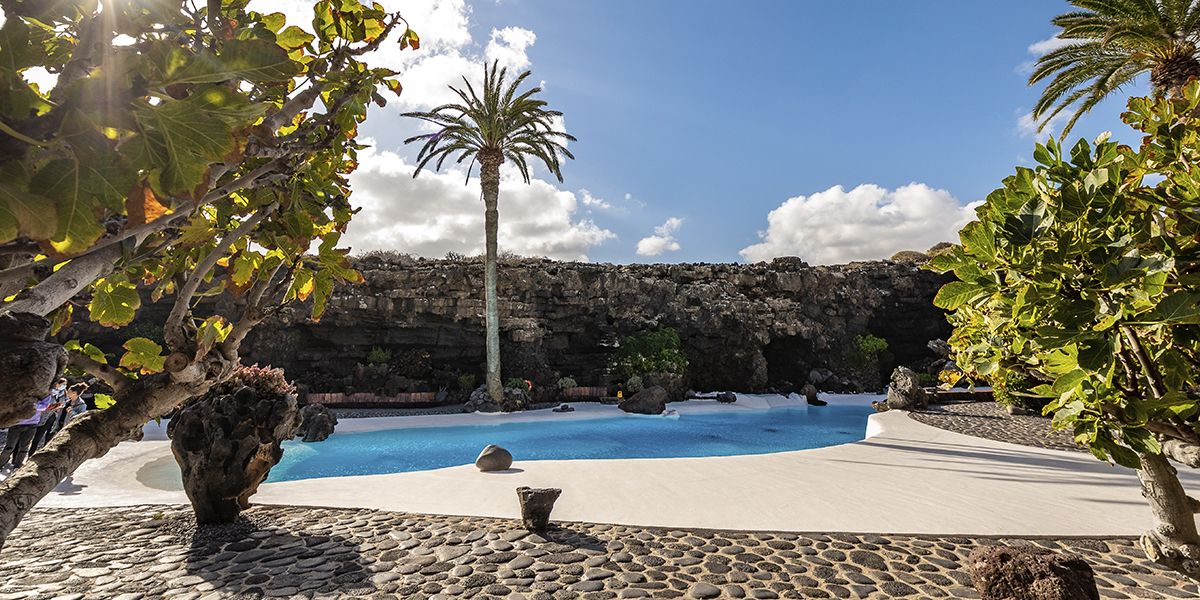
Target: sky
832	130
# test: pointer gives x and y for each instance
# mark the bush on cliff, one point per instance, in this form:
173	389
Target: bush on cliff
657	351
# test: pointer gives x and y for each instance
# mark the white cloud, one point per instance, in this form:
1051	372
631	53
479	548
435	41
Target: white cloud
1047	46
436	213
508	46
866	223
591	202
661	241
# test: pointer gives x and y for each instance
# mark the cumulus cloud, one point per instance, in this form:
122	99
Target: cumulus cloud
591	202
866	223
436	213
662	240
1047	46
508	46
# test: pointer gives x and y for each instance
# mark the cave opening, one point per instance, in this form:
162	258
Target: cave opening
789	359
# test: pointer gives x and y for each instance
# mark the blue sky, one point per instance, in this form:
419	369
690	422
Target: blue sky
721	132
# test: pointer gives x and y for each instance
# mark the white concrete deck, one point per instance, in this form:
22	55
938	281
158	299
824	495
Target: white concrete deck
906	477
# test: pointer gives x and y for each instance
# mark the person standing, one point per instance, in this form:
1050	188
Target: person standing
16	445
75	405
46	420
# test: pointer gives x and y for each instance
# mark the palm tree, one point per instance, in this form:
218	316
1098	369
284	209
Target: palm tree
1110	43
497	127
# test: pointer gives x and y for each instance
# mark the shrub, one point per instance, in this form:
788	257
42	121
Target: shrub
144	329
869	349
910	256
413	364
466	382
517	384
927	378
567	382
1006	386
940	248
634	384
655	351
379	355
268	382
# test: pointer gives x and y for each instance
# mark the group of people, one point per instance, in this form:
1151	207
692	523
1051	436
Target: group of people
53	412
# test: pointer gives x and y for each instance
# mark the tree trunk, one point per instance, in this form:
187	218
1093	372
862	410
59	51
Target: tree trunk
1174	541
88	436
489	175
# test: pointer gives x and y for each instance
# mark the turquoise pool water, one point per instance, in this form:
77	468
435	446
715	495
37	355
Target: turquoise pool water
631	436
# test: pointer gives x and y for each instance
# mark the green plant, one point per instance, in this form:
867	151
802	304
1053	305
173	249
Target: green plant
927	379
567	383
466	382
103	401
869	350
634	383
413	364
656	351
379	355
1006	385
503	125
517	384
268	382
910	256
1080	275
143	329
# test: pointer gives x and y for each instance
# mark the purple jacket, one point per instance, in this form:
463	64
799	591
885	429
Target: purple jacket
40	405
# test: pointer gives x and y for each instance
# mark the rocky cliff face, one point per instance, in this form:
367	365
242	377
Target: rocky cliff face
743	327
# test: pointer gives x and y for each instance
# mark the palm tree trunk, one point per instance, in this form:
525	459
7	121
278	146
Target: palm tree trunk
489	175
1174	541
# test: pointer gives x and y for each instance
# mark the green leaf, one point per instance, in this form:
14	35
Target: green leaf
87	350
946	262
22	213
1179	306
956	294
322	290
232	108
75	197
1140	440
179	141
143	355
978	240
16	52
1095	355
1068	381
213	330
114	304
258	60
293	37
103	401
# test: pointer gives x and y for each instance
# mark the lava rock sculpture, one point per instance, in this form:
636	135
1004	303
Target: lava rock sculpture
536	504
226	446
316	423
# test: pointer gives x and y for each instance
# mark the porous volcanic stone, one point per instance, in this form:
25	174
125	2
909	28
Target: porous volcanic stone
650	401
494	458
536	504
1030	573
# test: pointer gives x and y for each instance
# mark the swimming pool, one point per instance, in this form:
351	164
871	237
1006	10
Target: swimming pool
628	436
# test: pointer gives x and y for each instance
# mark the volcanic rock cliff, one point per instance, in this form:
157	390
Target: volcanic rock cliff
743	327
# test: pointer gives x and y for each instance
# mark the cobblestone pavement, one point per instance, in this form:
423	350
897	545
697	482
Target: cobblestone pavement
990	420
145	552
